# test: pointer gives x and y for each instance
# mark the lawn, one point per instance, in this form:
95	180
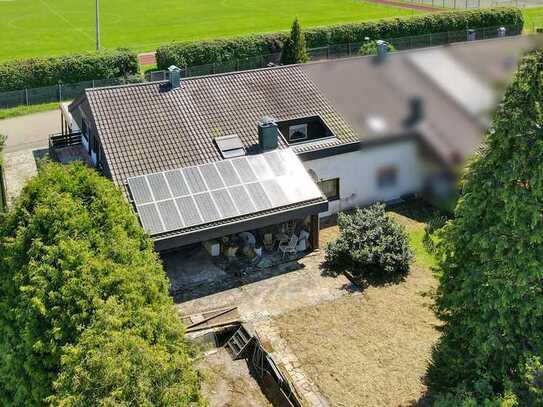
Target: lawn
371	348
46	27
533	18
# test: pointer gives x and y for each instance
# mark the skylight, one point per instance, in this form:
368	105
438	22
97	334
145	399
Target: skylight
230	146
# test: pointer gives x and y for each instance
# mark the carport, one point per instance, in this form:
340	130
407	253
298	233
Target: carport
225	198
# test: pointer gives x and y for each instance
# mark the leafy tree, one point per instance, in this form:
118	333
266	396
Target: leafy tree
72	251
294	51
491	257
370	245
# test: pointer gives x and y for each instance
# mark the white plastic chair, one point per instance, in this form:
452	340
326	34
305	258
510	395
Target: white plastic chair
289	247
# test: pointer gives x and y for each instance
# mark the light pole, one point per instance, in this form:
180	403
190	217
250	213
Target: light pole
97	25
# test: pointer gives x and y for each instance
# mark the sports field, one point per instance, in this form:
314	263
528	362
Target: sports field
47	27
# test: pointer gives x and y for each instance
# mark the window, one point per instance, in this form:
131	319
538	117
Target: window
297	132
330	188
387	176
230	146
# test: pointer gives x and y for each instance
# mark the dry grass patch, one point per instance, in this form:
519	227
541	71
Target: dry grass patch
368	349
228	383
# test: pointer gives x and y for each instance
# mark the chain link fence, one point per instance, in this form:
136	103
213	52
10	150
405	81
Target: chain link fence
65	92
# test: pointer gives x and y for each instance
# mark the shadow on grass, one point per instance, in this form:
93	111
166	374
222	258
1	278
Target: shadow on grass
418	210
360	283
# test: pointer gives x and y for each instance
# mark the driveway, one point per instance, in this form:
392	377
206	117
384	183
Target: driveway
31	131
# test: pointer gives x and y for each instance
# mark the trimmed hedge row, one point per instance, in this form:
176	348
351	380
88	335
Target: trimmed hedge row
38	72
222	50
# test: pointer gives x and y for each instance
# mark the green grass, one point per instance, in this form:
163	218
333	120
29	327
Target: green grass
46	27
24	110
533	18
414	215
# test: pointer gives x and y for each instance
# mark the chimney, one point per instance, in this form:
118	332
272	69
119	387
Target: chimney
416	112
268	134
501	32
175	77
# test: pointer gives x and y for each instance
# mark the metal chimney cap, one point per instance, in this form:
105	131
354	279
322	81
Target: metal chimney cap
267	120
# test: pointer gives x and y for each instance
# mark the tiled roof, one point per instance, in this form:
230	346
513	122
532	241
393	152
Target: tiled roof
148	127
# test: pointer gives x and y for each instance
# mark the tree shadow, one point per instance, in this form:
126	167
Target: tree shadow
418	210
360	283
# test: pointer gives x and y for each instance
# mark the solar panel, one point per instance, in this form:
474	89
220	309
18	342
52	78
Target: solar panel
159	187
170	215
207	207
211	176
224	203
189	211
242	200
194	196
177	183
229	175
194	179
260	167
276	163
275	192
244	170
150	219
140	190
258	195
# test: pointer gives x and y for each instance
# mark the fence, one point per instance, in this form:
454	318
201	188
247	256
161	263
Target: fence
468	4
64	92
338	51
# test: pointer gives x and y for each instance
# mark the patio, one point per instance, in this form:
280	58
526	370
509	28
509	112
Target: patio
220	264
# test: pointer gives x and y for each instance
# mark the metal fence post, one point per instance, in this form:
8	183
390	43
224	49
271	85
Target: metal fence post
93	85
60	92
26	96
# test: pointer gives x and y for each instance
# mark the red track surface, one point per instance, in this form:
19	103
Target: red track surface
147	58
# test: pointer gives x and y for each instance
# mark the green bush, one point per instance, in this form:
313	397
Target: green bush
224	50
491	258
80	288
371	245
370	48
47	71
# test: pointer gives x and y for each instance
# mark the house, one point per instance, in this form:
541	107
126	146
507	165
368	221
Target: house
211	156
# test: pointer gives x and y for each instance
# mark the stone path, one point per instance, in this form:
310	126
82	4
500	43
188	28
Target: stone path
282	355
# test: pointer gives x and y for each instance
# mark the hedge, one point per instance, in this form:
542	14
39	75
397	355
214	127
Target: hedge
85	314
37	72
222	50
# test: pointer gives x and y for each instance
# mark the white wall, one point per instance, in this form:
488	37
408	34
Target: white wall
357	172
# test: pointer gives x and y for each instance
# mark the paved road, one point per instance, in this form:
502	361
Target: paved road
31	131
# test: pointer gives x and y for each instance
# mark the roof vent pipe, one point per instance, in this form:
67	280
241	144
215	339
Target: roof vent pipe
268	134
175	77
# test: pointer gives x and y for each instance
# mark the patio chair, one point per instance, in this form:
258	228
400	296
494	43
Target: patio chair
289	247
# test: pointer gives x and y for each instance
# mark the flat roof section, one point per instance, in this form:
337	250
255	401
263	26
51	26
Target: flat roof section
236	191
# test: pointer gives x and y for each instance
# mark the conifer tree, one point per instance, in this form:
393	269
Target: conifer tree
491	257
294	50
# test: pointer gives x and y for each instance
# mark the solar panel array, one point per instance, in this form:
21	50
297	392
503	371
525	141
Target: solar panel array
192	196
